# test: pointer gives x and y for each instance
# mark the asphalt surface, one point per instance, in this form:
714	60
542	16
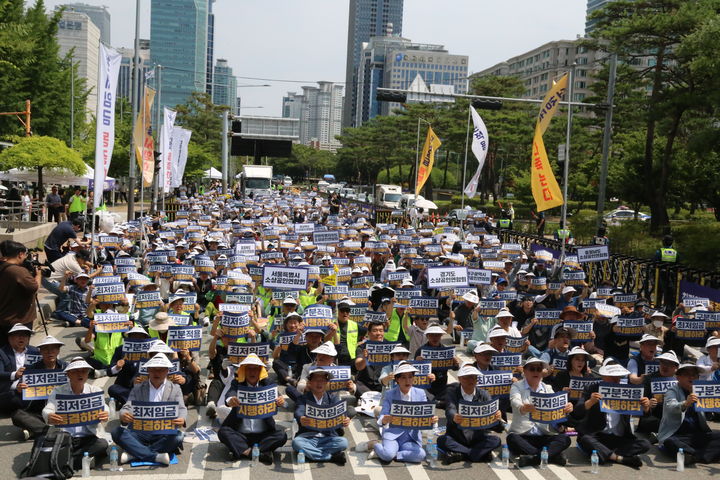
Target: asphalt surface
211	461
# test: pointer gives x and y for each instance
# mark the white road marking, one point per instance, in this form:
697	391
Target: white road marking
358	461
531	473
502	473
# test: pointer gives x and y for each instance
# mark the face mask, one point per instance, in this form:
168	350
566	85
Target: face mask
657	323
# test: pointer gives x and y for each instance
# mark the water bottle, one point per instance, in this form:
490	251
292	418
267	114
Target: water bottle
432	452
505	456
114	459
112	412
544	458
256	456
86	465
681	460
594	462
301	460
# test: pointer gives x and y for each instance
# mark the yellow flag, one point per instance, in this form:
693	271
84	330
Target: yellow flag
545	188
432	143
330	280
143	140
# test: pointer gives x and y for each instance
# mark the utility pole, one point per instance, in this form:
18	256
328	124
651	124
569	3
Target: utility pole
607	134
72	102
27	114
158	107
135	108
566	164
225	129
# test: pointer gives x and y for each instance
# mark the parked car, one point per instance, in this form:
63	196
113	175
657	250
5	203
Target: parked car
287	181
622	215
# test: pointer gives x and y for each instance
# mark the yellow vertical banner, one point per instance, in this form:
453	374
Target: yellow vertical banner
142	139
545	188
427	160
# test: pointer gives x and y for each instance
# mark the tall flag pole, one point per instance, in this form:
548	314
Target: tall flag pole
480	145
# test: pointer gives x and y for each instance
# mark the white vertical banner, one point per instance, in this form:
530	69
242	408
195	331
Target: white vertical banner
181	138
166	159
480	146
108	70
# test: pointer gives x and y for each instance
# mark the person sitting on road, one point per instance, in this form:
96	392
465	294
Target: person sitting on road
319	446
13	361
239	434
144	446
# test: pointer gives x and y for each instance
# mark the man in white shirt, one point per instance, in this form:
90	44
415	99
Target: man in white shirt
527	438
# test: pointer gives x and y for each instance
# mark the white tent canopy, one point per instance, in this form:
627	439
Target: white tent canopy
212	173
57	176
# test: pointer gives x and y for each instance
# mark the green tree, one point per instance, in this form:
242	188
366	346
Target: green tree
40	152
204	119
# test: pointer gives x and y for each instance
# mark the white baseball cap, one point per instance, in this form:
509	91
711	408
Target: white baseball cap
568	290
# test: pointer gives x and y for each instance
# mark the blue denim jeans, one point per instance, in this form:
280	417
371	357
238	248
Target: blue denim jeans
319	449
54	287
144	447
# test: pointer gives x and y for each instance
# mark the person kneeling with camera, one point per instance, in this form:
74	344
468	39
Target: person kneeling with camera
19	282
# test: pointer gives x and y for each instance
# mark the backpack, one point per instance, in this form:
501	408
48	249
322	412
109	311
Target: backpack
51	455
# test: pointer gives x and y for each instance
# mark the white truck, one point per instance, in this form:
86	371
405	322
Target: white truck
256	180
388	196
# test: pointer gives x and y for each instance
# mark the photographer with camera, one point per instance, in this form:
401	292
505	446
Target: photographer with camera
19	282
63	232
77	261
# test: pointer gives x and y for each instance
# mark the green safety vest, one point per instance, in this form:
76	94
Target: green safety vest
668	255
504	223
563	233
352	338
76	204
307	298
394	330
105	345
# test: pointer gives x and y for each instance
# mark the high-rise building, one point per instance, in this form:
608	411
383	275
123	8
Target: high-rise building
77	33
593	5
539	67
124	88
178	42
100	16
210	49
394	62
319	110
368	18
225	86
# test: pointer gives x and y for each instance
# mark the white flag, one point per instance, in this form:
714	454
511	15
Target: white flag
181	138
108	70
480	145
166	152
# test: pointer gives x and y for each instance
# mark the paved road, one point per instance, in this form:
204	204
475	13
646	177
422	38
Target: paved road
210	461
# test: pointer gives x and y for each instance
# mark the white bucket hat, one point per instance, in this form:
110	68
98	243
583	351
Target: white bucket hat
326	348
399	349
50	340
160	347
497	332
504	314
468	369
159	361
649	338
19	327
669	356
434	329
613	370
77	363
578	351
484	347
471	297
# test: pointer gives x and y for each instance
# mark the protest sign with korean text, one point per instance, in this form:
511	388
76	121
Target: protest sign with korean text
659	387
236	324
631	327
578	385
378	353
257	402
478	415
596	253
423	306
318	316
691	331
113	293
621	398
506	361
583	330
287	278
184	338
155	418
41	383
325	418
144	300
136	350
515	344
412	415
549	407
238	351
442	358
79	410
111	322
447	277
708	393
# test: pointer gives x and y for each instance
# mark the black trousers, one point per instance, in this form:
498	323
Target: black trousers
474	453
238	442
704	446
215	390
522	444
96	447
607	444
120	393
282	369
30	421
10	401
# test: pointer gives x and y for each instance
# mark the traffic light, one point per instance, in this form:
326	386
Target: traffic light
156	165
487	104
398	97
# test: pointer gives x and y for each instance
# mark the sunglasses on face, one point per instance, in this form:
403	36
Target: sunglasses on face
533	369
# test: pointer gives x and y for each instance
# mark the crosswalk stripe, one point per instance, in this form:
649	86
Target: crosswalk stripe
238	471
502	473
301	472
531	473
417	472
561	472
358	461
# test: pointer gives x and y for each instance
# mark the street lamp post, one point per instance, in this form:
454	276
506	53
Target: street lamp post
135	107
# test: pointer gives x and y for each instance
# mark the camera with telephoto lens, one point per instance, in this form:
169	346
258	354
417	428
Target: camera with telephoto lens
32	263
